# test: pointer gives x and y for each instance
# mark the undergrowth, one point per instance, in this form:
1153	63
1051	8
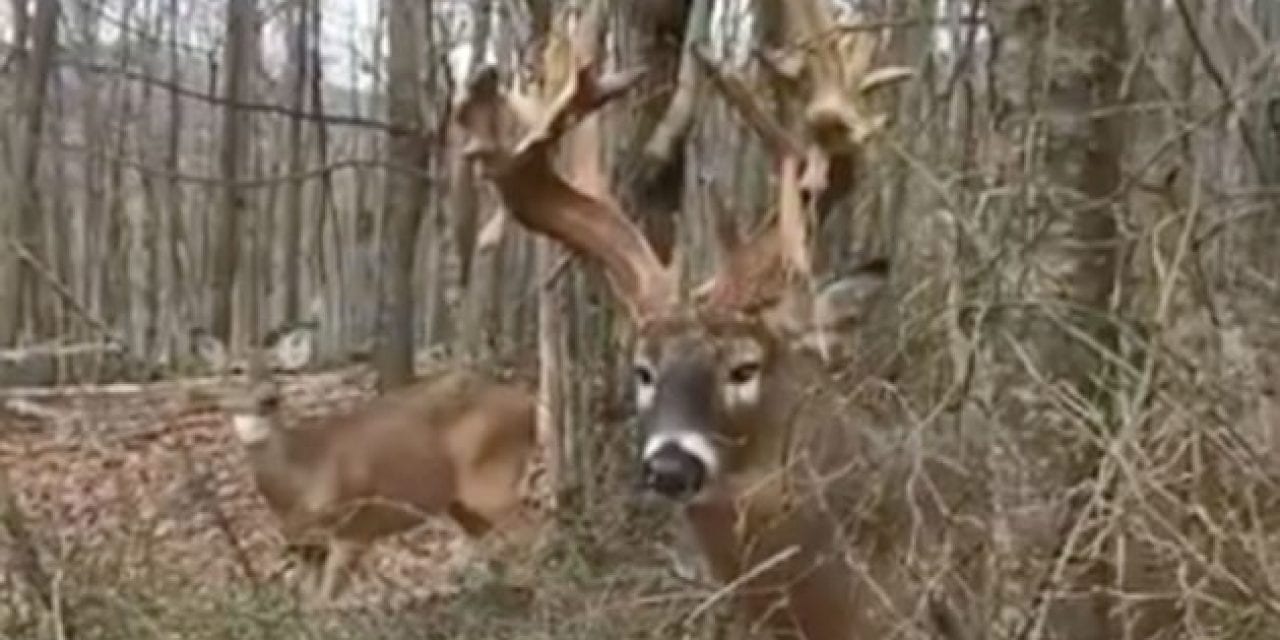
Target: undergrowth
592	579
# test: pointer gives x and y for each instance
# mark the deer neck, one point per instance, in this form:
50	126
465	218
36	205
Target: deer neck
783	558
273	461
772	508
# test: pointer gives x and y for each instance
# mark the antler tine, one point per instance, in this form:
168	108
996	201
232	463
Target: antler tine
814	160
759	270
540	199
840	70
754	271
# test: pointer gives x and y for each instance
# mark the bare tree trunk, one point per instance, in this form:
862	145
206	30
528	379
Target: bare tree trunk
439	266
405	195
464	190
152	224
483	309
1065	57
179	245
552	430
19	299
1080	154
1264	233
232	162
113	272
464	194
292	232
662	37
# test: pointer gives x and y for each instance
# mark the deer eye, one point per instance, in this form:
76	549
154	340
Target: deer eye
237	368
744	372
269	402
643	375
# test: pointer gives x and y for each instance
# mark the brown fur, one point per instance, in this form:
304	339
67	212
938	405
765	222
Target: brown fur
454	444
820	511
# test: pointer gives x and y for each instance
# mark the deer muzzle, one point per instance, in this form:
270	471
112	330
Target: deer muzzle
674	472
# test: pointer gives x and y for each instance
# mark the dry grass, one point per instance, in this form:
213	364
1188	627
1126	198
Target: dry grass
584	589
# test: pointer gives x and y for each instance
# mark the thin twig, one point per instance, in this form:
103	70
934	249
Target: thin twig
1216	75
64	292
725	591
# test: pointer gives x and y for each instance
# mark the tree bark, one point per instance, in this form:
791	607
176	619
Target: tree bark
232	163
292	232
19	299
179	249
464	189
1059	65
405	195
661	31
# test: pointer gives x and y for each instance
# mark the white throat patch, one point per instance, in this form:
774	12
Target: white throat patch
250	429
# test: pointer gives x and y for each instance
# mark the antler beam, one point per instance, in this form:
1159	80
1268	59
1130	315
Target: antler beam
540	198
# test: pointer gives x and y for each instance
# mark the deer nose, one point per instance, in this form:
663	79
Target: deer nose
673	472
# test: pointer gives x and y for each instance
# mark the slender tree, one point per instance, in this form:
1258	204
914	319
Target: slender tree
232	162
1066	57
20	301
408	153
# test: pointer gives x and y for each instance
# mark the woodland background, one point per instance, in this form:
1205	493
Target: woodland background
1077	198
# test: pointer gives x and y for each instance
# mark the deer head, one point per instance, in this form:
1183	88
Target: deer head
718	378
715	369
250	394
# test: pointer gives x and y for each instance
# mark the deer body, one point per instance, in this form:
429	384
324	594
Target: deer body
451	444
454	444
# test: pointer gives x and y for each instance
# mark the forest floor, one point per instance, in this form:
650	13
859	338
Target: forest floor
147	524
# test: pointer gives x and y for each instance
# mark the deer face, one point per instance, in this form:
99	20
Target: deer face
249	393
711	390
698	386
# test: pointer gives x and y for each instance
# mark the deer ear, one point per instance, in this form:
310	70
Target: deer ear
841	304
211	351
846	296
293	349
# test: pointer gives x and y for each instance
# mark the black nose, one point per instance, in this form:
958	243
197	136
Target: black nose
674	472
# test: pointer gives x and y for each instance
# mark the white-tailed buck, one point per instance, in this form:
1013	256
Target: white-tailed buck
801	500
453	444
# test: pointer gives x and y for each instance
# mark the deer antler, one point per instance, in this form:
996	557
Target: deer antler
541	199
833	69
759	271
837	65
